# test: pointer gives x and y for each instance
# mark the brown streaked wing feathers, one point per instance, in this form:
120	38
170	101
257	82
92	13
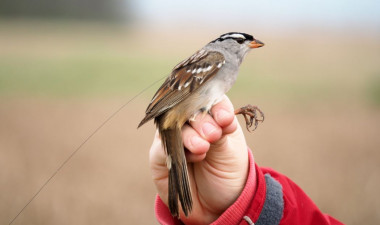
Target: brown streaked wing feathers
173	90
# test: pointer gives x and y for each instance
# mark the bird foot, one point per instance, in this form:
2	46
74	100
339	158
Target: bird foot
251	116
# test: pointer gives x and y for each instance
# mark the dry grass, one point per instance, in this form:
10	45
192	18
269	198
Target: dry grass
331	153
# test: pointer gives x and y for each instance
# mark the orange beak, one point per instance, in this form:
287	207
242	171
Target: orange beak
256	44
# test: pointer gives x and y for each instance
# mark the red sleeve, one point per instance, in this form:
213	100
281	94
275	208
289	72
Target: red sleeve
298	207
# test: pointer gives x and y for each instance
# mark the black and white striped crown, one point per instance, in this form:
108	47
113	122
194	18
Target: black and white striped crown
237	36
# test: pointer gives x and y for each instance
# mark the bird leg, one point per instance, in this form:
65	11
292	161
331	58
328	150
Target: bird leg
250	115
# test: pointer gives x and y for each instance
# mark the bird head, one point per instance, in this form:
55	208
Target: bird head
236	42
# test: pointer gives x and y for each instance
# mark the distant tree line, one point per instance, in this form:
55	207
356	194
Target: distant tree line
104	10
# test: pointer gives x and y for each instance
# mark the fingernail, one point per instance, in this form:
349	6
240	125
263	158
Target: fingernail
222	114
208	128
195	141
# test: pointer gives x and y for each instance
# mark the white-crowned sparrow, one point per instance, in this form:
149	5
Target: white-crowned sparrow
194	86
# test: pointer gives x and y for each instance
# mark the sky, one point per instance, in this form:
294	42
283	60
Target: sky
269	13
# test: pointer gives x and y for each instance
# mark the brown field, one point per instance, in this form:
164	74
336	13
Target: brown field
318	93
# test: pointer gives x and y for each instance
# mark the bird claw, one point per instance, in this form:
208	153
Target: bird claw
251	116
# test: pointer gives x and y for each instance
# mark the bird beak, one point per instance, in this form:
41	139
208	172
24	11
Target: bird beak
255	44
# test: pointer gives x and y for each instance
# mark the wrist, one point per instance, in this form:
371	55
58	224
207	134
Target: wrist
236	211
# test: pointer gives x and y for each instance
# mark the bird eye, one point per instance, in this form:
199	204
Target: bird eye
240	40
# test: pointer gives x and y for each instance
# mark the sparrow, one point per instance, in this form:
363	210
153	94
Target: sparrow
194	86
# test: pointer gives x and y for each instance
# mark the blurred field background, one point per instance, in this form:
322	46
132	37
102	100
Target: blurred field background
63	72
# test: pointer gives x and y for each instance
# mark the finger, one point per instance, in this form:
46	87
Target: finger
223	112
193	158
197	147
206	127
232	127
193	141
224	115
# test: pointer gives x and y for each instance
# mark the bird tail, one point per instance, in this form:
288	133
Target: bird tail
179	186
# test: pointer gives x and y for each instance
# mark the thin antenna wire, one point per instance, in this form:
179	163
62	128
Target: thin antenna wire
80	146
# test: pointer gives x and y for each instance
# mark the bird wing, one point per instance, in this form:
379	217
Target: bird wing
185	78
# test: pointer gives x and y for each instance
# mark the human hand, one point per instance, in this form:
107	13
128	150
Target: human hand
217	162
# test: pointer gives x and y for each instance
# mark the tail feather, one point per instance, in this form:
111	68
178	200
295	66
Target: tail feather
173	193
179	186
146	119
